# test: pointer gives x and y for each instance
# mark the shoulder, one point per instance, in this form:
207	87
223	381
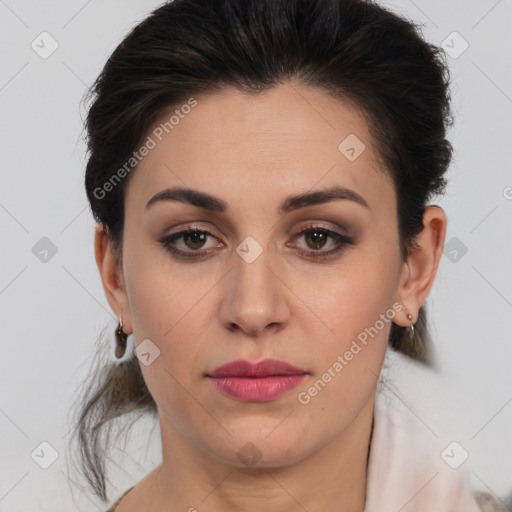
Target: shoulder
112	507
139	495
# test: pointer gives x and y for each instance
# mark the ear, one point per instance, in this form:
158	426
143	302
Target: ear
420	269
111	276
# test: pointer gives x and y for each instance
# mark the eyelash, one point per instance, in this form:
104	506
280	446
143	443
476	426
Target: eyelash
342	241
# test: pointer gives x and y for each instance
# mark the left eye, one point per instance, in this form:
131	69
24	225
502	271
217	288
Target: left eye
316	238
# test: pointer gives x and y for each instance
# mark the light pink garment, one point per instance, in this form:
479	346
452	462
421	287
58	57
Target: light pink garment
406	472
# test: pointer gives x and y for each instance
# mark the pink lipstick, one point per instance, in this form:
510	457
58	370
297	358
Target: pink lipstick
256	382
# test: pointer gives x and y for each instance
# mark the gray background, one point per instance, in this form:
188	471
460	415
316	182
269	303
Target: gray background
52	311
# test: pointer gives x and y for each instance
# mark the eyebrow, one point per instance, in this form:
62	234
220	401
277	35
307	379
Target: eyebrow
290	203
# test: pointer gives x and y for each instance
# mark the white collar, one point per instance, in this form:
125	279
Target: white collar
406	472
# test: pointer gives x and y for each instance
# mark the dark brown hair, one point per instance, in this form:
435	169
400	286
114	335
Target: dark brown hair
355	50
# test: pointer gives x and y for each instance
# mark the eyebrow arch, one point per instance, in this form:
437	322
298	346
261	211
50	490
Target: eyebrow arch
290	203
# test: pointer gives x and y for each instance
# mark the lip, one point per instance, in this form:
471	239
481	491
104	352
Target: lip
265	368
256	382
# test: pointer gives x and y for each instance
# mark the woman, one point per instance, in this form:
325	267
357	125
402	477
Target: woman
260	171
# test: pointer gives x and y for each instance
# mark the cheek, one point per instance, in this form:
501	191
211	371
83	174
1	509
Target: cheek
355	304
348	356
162	296
169	305
165	305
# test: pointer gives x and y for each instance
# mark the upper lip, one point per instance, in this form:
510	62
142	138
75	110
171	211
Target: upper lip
265	368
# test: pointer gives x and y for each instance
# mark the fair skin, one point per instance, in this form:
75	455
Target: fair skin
252	152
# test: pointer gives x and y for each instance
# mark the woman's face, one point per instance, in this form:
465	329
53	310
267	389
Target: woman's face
251	285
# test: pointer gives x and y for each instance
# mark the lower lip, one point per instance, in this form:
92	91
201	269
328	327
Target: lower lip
257	389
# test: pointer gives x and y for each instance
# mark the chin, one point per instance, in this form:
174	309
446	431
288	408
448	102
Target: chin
263	449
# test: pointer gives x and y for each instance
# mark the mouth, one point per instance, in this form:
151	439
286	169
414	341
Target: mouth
256	382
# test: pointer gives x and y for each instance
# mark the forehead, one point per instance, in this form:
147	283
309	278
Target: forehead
291	138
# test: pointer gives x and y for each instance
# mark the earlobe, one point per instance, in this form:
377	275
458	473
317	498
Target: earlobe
110	273
420	269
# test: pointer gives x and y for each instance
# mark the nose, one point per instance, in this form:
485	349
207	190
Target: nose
255	297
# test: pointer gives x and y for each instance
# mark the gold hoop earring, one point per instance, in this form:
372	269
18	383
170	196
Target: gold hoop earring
409	317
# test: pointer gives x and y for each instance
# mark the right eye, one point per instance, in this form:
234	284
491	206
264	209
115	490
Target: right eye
192	239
